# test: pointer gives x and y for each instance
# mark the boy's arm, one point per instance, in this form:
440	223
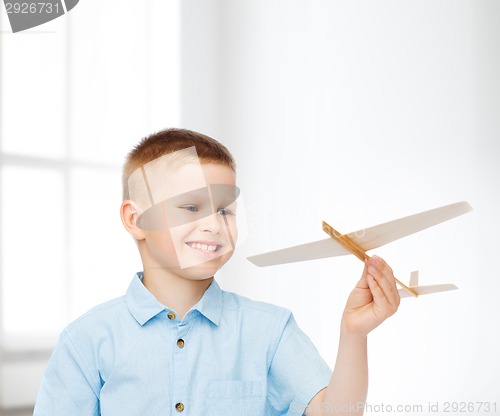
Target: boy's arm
67	387
373	300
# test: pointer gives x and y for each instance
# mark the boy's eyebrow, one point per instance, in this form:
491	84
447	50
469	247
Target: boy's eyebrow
224	194
198	195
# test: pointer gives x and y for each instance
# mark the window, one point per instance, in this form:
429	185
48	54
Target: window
77	94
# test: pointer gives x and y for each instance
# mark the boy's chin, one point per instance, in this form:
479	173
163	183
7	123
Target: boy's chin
204	270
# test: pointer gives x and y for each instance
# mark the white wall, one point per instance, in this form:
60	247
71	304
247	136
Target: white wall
358	113
76	95
352	112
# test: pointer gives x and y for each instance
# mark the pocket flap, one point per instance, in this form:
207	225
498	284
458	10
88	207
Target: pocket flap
231	389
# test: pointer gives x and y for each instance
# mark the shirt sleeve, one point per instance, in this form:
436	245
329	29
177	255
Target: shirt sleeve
297	372
68	388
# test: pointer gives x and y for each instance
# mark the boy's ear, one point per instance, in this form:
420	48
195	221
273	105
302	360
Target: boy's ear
129	214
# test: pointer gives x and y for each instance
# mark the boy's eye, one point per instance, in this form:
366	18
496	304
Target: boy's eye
195	208
225	211
190	208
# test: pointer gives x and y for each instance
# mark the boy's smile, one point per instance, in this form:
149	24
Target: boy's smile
209	249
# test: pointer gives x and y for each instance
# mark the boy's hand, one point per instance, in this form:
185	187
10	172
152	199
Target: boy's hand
373	300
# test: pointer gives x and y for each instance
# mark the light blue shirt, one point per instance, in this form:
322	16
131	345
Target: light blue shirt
230	355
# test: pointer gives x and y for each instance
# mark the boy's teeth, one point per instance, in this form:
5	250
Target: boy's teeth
203	247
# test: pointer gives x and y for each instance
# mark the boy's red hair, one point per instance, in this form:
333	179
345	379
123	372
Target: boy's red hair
171	140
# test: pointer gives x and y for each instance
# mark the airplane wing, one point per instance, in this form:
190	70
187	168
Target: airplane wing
426	290
310	251
373	237
367	238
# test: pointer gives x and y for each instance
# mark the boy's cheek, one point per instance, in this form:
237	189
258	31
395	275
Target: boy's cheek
161	244
230	230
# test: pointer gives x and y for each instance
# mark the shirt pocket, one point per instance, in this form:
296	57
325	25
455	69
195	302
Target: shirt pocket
236	398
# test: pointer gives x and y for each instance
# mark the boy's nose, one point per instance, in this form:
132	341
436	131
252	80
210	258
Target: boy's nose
212	223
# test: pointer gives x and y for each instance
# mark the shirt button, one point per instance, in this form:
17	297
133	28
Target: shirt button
179	407
180	344
171	315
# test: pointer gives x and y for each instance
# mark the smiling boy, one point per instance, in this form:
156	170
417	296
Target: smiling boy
176	343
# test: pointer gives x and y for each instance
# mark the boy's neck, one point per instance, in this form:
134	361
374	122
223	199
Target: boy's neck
173	291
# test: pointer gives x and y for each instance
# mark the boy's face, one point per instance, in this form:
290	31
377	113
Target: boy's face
193	232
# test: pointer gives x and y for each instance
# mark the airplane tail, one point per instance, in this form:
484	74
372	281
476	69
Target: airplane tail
414	278
424	290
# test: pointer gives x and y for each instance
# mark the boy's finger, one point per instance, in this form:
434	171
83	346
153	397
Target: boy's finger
381	264
363	283
378	294
386	283
384	276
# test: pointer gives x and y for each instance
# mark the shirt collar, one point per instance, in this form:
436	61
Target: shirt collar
143	305
210	304
140	301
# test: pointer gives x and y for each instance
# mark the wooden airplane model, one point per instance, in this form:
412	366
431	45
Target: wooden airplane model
358	242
